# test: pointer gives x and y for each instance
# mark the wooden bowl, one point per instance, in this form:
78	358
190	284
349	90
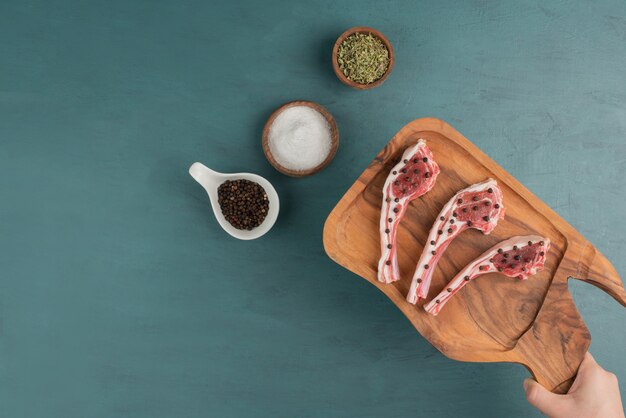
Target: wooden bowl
342	77
334	138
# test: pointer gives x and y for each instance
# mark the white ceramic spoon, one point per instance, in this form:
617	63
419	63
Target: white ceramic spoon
211	180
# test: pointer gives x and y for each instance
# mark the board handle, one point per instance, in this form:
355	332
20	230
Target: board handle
594	268
555	344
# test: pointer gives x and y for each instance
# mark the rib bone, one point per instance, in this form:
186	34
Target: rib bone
520	257
478	206
411	178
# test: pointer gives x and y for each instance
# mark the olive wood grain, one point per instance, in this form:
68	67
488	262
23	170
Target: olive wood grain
495	319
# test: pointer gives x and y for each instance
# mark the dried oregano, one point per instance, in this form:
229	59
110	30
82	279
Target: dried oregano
363	58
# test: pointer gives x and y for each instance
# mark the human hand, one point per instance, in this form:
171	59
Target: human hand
594	394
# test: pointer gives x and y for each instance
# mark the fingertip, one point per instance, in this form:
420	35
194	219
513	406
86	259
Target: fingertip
527	382
532	391
542	399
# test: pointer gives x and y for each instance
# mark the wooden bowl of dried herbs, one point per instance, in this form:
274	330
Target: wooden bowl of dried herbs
362	57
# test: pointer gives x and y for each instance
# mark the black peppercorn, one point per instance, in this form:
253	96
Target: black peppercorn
244	203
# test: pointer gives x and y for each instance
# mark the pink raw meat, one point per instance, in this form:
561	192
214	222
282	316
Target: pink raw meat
411	178
478	206
519	257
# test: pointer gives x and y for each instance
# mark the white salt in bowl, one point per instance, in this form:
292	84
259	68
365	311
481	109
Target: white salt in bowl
334	139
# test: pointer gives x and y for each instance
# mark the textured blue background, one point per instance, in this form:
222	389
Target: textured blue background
121	297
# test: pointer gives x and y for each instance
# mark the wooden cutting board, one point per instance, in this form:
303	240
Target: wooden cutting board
494	318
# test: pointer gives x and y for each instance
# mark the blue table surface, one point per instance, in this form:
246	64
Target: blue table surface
120	296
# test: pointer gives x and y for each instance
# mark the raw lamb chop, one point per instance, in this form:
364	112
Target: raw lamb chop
411	178
478	206
519	257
